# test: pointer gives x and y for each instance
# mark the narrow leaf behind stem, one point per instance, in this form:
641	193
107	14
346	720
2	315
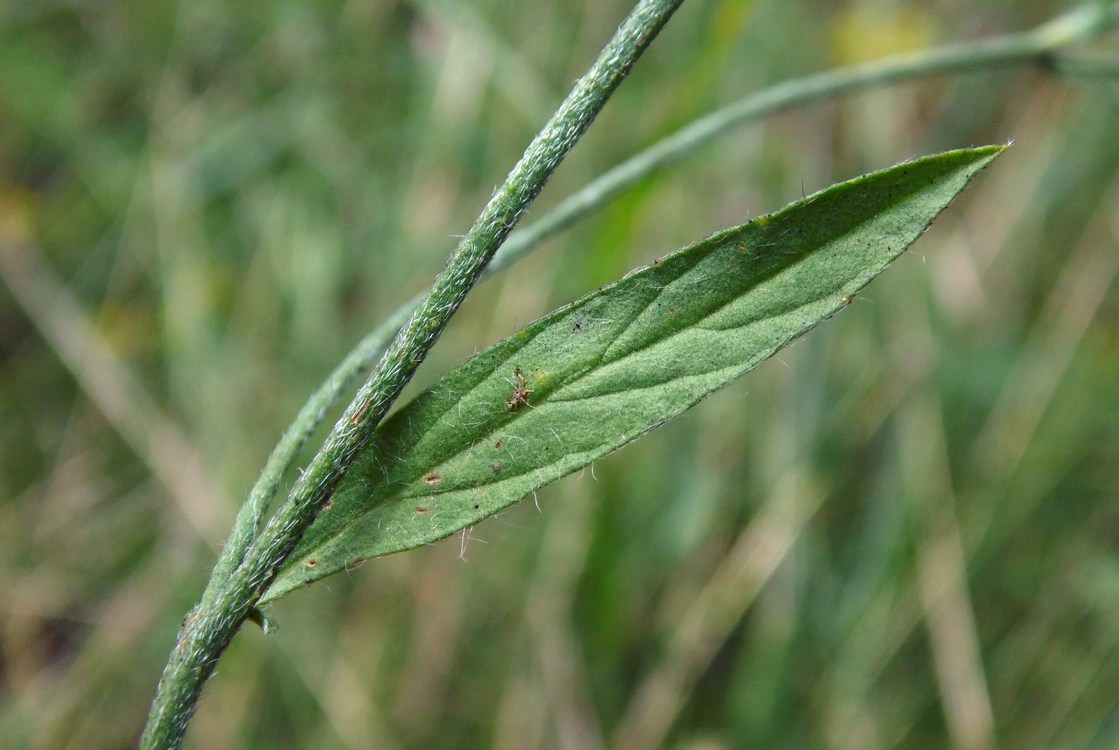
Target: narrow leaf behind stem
599	373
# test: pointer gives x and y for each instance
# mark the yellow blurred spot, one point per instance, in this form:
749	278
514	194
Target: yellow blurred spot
865	32
730	18
131	330
17	206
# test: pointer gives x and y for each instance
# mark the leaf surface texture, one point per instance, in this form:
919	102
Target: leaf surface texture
596	374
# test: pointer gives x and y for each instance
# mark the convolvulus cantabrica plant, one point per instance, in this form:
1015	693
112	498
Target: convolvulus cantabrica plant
590	377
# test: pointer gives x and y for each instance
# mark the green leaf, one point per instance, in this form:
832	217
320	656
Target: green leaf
599	373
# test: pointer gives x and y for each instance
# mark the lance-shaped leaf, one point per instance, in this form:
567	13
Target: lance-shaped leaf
599	373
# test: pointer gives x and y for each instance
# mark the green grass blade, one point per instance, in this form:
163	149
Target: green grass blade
594	375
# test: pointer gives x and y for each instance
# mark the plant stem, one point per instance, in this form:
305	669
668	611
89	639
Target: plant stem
1010	49
210	627
1032	46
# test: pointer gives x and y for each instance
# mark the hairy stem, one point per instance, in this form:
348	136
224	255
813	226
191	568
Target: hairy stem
210	627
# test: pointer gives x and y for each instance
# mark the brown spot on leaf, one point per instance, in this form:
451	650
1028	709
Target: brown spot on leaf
521	391
432	479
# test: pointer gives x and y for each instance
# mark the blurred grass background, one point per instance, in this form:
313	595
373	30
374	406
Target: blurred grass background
901	532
